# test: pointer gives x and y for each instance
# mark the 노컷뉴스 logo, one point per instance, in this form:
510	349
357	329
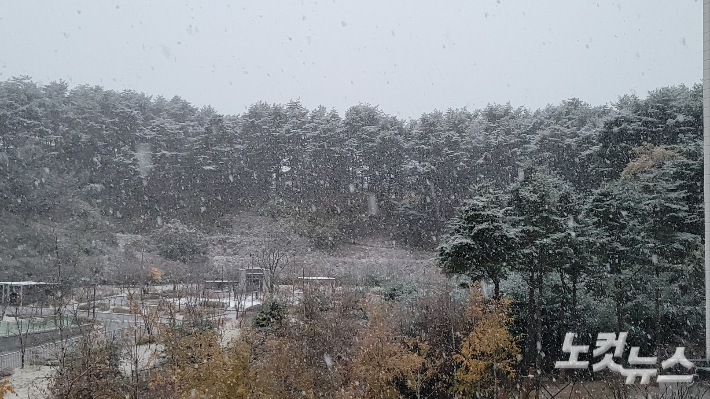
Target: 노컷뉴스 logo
607	341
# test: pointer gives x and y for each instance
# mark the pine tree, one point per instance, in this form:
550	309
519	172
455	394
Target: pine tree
479	243
542	212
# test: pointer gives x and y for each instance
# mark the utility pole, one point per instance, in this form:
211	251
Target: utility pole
706	164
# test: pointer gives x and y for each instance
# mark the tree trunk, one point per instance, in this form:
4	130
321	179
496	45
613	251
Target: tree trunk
618	297
573	311
657	318
538	323
530	330
561	315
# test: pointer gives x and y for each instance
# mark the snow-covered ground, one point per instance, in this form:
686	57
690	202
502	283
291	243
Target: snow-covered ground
30	382
244	304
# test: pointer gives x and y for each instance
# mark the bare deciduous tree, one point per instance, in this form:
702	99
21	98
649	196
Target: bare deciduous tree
273	257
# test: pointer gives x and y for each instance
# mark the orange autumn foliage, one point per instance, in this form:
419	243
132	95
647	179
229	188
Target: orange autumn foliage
201	368
155	274
6	388
384	359
489	353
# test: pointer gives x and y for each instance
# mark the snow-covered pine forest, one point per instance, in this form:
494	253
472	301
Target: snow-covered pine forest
573	217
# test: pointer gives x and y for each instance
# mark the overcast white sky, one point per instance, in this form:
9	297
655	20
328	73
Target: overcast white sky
408	57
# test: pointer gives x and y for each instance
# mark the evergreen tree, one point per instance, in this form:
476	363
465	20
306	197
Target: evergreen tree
480	243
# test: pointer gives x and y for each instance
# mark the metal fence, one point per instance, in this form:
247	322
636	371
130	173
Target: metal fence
48	354
42	355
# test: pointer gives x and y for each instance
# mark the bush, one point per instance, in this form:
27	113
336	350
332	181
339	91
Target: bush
179	243
159	295
213	304
269	314
372	280
146	339
90	370
101	306
86	320
398	290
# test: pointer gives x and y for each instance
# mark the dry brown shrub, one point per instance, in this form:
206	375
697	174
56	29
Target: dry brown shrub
646	158
385	363
309	354
6	388
90	370
488	356
199	367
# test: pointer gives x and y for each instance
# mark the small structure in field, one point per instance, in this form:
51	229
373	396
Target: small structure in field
248	280
318	281
21	292
221	285
252	279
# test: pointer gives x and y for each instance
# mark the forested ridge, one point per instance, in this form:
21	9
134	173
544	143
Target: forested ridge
141	159
590	218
